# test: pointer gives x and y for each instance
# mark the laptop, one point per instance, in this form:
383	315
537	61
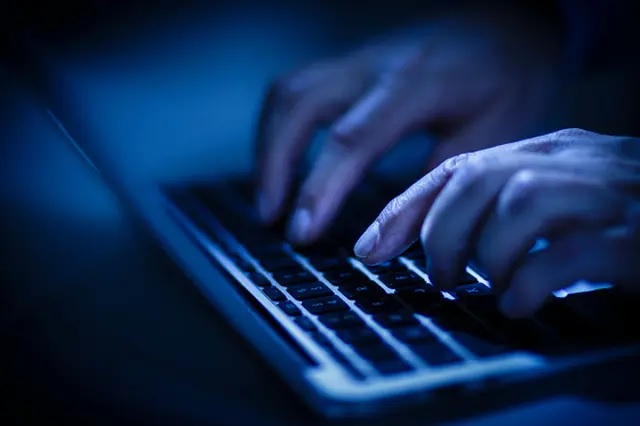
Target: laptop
350	339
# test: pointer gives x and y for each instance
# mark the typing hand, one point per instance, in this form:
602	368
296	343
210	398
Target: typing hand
472	78
577	189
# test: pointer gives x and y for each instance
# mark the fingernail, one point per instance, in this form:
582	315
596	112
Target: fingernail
367	241
300	226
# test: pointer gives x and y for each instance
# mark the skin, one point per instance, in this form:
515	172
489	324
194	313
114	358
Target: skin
577	189
465	76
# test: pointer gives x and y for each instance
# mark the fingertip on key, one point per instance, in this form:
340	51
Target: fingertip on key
367	243
299	229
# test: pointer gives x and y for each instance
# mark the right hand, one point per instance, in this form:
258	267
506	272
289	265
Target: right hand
578	190
473	77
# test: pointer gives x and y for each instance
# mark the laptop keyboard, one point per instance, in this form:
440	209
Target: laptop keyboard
385	319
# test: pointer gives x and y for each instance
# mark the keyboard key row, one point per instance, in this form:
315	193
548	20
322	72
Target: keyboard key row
362	291
274	294
414	333
339	320
324	305
358	335
290	308
280	262
396	319
309	291
387	267
344	277
401	279
294	276
385	304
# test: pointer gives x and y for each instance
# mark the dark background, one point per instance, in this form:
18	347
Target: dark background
97	324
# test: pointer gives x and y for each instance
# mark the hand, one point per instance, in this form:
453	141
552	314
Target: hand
578	190
471	77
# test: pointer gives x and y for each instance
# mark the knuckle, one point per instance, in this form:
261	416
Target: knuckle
452	164
571	134
471	177
520	191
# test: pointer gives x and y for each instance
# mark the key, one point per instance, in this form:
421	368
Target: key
324	264
321	339
479	346
338	320
324	305
345	277
401	280
472	290
305	323
421	298
335	354
295	276
362	291
413	334
242	263
384	304
435	353
279	263
394	320
387	267
259	279
309	291
274	294
264	247
358	335
289	308
452	319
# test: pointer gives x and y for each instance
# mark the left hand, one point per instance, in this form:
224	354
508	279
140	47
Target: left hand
577	189
465	76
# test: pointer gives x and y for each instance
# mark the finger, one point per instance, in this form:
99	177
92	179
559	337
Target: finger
286	128
382	117
398	225
451	227
609	255
535	204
